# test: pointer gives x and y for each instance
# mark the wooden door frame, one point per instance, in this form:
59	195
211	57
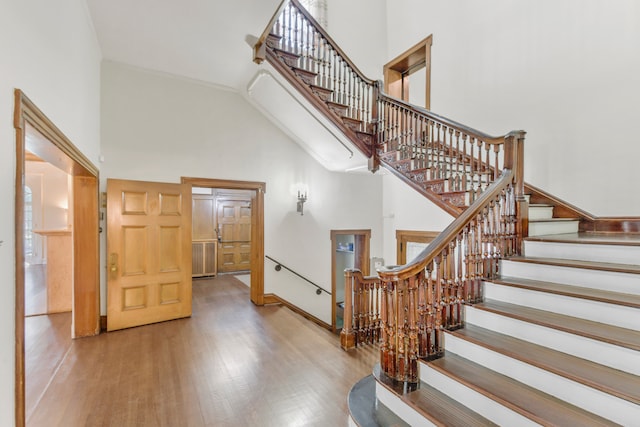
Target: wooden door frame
365	261
405	236
60	152
257	226
408	62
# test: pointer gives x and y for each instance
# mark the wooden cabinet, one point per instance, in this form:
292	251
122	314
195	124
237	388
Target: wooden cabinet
204	258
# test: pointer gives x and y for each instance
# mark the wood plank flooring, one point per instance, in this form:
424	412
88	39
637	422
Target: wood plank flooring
230	364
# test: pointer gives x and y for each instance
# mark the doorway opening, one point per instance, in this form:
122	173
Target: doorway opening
37	135
411	68
245	200
349	249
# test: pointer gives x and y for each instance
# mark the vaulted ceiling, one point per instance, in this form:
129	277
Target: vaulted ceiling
199	39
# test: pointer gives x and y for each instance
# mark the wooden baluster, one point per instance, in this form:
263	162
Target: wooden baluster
464	164
450	170
478	249
326	66
498	169
412	374
430	303
297	33
478	190
451	285
400	321
394	127
367	317
384	333
487	148
436	159
459	278
393	331
343	81
315	52
422	316
334	76
467	266
431	149
439	305
289	29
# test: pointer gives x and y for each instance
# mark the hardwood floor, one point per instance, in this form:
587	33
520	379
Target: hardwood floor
230	364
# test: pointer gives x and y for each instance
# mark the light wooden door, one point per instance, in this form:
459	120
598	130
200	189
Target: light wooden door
233	219
149	252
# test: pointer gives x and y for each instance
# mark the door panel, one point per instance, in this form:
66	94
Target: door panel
234	226
149	247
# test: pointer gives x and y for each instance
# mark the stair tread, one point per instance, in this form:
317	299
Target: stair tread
622	337
625	239
434	405
601	295
609	380
588	265
527	401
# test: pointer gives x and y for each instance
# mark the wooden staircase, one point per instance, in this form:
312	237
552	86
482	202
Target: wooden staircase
556	341
483	328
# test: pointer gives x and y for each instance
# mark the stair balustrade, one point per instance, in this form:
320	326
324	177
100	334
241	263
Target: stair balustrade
362	317
475	177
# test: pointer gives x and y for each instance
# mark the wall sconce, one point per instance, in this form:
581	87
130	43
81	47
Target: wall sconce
302	197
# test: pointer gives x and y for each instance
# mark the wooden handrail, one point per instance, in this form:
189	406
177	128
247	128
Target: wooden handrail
490	139
259	47
437	245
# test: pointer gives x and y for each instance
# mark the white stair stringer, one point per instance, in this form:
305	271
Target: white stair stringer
400	408
620	254
606	354
592	400
483	405
612	314
626	283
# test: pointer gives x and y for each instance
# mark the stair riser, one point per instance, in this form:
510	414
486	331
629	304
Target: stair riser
603	404
400	408
604	353
584	252
477	402
627	283
622	316
540	212
556	227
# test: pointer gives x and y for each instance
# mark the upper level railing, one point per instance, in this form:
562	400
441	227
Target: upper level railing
298	40
476	177
446	156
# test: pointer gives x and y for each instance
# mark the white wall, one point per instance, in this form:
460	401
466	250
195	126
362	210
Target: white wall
359	28
567	72
159	128
404	208
47	49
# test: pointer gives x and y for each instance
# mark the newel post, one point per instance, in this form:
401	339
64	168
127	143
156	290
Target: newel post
347	336
514	154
